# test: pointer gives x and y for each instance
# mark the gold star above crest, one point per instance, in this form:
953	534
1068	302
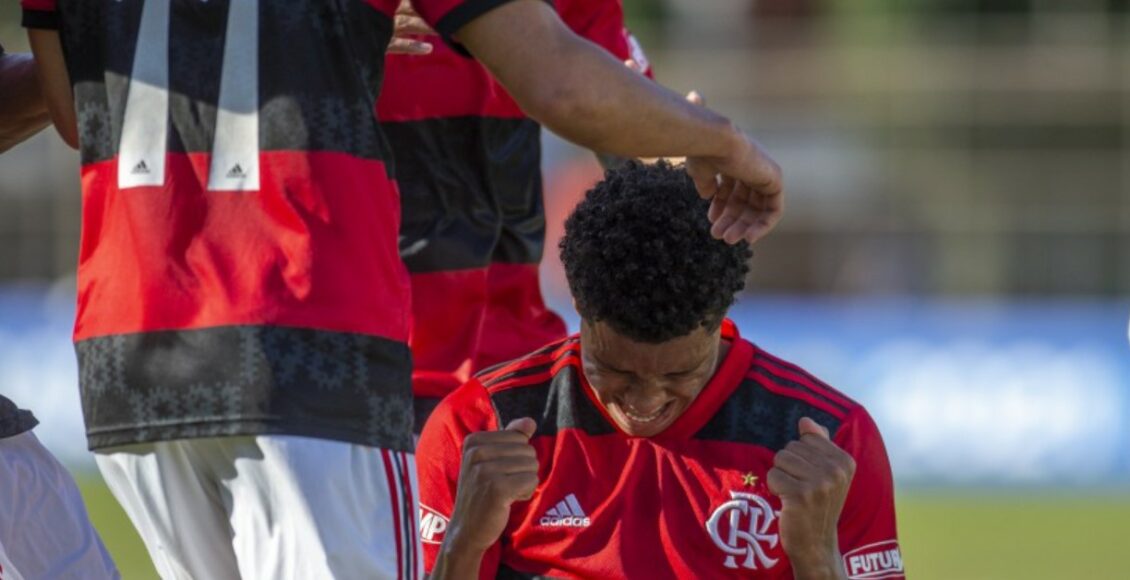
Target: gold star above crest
749	479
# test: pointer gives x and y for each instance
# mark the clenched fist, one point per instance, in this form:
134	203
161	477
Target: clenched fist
407	24
499	468
811	476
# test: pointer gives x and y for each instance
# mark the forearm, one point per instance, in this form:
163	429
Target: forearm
457	563
817	562
23	111
600	104
819	571
580	92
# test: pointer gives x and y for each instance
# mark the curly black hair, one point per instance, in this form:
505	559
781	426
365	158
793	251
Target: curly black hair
639	256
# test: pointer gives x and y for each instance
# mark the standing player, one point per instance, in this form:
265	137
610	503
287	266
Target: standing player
468	163
243	310
658	443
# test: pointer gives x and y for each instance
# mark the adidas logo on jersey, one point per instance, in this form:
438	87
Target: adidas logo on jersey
141	168
567	513
236	171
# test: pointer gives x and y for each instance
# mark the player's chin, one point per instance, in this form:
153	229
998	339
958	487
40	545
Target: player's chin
650	425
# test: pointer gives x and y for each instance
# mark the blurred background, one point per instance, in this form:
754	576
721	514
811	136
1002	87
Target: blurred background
956	255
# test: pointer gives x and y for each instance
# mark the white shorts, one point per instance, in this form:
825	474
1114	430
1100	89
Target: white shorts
271	506
44	529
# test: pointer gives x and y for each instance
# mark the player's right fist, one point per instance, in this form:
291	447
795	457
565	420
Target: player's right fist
499	468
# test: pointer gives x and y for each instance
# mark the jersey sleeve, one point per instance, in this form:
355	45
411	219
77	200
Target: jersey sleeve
40	14
448	16
439	456
867	530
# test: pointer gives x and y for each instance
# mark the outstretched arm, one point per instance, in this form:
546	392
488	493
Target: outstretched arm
585	95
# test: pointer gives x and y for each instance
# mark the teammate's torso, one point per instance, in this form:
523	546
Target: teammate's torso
233	172
238	270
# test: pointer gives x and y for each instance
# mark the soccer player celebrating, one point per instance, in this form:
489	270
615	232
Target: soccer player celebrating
243	310
468	163
658	443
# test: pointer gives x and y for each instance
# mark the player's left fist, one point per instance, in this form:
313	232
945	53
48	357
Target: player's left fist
811	476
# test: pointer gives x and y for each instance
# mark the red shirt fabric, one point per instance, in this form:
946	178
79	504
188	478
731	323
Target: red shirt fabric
689	502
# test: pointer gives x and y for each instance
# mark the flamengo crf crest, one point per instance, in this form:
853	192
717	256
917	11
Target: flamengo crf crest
740	527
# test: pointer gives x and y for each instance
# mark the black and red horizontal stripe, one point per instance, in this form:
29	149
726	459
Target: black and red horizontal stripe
468	160
555	400
245	380
540	361
282	310
789	372
774	395
529	367
501	368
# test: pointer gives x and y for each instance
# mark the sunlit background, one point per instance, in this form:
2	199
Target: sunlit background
956	255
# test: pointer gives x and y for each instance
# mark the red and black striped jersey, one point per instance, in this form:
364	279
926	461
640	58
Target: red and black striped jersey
468	159
238	270
469	169
691	502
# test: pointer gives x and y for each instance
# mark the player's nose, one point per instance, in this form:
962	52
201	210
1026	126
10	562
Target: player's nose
645	401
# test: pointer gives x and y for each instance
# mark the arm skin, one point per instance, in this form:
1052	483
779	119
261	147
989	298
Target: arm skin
457	563
585	95
498	468
55	82
22	110
812	476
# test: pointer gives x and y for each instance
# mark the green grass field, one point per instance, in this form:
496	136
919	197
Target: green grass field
944	537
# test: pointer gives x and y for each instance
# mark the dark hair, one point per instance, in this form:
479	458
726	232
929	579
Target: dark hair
639	255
